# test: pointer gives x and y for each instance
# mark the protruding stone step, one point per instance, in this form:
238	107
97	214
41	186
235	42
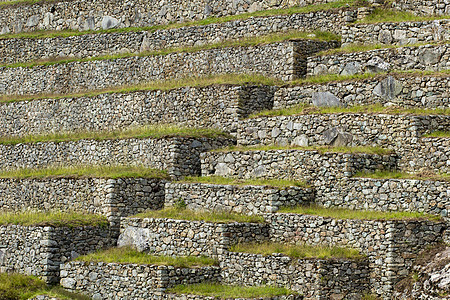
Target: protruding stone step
395	131
292	164
427	57
397	33
168	236
246	199
179	156
390	245
415	90
104	14
218	106
282	60
15	50
39	249
313	278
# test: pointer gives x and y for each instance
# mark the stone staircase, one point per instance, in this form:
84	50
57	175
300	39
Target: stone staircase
264	77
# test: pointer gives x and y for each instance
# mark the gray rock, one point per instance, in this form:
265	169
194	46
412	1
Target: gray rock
337	137
32	21
5	30
68	283
89	24
376	65
109	22
351	68
222	169
330	135
429	56
136	237
301	141
388	88
325	99
208	10
385	37
48	19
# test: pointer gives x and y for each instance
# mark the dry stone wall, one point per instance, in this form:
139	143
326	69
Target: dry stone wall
238	199
315	279
390	246
39	250
283	60
427	196
423	7
427	91
427	57
430	154
129	281
310	165
343	129
178	156
218	106
102	14
89	45
181	237
397	33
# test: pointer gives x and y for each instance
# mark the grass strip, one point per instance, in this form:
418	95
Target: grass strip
87	171
276	183
438	134
128	255
340	213
189	215
229	291
320	149
383	15
20	287
150	131
402	175
307	109
297	251
52	218
244	42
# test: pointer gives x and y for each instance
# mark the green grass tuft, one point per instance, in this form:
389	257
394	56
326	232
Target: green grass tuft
320	149
277	183
153	131
227	292
128	255
339	213
297	251
214	217
52	218
438	134
403	175
306	109
380	15
87	171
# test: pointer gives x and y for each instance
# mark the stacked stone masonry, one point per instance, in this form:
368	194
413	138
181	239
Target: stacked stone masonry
430	154
218	106
397	33
283	60
343	129
427	91
238	199
390	246
113	198
181	237
102	14
129	281
179	156
310	165
39	250
427	57
423	7
314	279
428	196
17	50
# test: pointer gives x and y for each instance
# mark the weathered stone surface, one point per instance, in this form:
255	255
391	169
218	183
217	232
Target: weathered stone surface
325	99
388	88
109	22
377	65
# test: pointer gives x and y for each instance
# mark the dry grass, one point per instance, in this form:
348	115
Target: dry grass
52	218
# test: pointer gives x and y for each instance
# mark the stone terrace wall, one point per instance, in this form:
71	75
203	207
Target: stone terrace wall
219	106
427	57
113	198
432	154
315	279
423	7
129	281
425	91
181	237
89	45
283	60
238	199
389	195
397	33
38	250
307	165
178	156
343	129
390	246
103	14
